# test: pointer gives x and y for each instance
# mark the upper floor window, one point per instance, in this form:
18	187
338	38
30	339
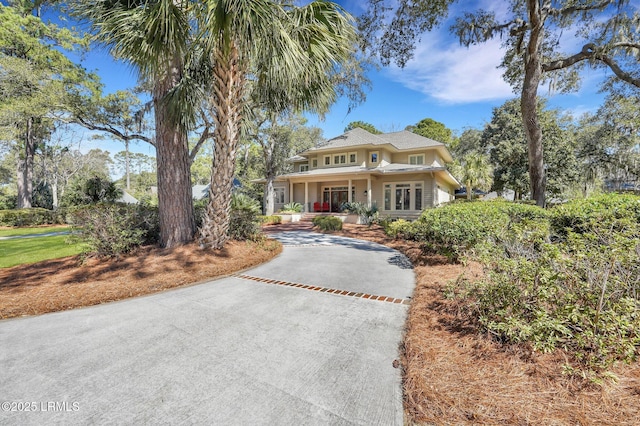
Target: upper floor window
352	157
374	157
304	167
416	159
315	163
327	160
339	159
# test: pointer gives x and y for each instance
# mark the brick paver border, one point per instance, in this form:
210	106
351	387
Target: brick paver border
325	289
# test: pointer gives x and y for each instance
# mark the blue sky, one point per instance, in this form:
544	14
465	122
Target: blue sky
452	84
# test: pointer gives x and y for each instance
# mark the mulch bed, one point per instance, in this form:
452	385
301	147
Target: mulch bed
454	374
68	283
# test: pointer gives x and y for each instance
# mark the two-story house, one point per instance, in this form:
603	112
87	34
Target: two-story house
401	173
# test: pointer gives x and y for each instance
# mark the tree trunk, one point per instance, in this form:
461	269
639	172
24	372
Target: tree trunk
175	199
127	164
25	168
228	82
54	192
469	190
269	195
529	103
270	175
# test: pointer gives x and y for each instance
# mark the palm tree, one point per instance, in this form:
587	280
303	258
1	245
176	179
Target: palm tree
476	172
154	36
281	57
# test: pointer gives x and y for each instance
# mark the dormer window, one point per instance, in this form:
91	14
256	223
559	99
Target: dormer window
416	159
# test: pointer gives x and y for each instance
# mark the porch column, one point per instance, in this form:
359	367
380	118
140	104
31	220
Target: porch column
369	191
306	196
290	192
349	193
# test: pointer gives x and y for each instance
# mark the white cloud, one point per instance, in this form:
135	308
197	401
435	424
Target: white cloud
455	74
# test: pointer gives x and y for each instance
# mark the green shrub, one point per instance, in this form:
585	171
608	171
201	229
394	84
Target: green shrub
579	291
598	212
31	217
328	223
565	278
454	229
367	215
291	208
111	230
244	221
270	220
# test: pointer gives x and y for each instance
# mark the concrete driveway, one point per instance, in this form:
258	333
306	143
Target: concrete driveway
306	339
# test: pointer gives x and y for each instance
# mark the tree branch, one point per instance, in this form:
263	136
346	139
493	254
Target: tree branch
590	51
111	130
206	134
565	11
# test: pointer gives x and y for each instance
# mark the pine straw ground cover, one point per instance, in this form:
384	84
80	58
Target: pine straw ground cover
453	374
66	283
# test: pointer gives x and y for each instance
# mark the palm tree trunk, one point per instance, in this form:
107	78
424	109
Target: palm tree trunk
529	103
175	200
228	100
24	167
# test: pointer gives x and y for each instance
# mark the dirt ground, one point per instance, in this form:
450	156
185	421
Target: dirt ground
62	284
453	374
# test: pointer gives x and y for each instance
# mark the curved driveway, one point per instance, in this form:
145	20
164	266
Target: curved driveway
297	341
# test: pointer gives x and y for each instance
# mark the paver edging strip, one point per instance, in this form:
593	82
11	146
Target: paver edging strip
336	291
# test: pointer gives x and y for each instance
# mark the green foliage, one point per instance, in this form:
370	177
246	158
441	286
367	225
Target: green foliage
91	191
367	215
568	278
270	220
111	230
505	141
363	125
242	202
432	129
455	229
245	218
328	223
31	217
606	211
291	207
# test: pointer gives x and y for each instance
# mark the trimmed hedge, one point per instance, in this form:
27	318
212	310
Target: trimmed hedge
328	223
270	220
454	229
32	217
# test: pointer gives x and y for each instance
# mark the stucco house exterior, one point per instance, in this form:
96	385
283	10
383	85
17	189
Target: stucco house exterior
401	173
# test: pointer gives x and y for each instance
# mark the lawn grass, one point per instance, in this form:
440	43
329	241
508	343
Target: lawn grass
31	250
11	232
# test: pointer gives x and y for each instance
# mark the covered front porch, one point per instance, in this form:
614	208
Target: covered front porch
327	195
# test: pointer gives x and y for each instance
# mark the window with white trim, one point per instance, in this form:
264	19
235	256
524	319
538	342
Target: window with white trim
417	159
327	160
353	158
315	163
304	167
373	156
402	196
